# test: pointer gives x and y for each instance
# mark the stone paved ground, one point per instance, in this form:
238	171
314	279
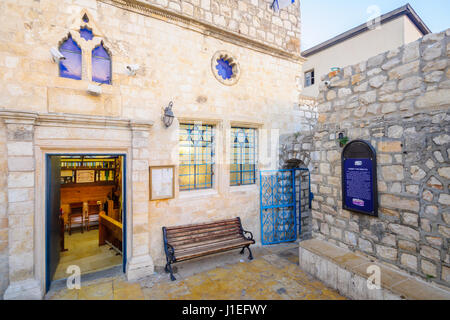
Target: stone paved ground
272	275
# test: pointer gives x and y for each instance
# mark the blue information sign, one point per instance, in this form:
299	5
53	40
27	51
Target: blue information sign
359	185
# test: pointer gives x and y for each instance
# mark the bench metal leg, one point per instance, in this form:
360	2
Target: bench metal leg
242	251
168	269
250	256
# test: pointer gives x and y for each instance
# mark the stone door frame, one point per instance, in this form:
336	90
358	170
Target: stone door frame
41	213
31	136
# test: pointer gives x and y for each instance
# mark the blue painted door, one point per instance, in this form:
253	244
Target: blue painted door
278	206
53	226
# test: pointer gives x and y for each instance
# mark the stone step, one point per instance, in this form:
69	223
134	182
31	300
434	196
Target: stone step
347	272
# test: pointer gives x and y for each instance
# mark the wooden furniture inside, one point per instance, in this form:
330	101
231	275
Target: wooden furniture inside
92	214
113	211
109	232
76	216
196	240
61	231
105	169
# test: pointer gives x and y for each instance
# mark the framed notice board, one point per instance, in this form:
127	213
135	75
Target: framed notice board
162	182
359	178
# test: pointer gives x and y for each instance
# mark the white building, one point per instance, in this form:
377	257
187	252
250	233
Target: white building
388	32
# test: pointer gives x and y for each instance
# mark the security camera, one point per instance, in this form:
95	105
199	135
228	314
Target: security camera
57	55
132	69
327	83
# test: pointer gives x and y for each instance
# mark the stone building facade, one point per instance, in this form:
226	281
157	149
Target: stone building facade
173	42
399	101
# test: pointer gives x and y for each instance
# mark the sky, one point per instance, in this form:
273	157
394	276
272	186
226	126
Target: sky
324	19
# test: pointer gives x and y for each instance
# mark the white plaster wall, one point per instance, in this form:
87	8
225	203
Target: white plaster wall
388	36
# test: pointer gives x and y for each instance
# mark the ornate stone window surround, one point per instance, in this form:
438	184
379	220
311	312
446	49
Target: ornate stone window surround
228	57
87	45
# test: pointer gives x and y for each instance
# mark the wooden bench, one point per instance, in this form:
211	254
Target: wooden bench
187	242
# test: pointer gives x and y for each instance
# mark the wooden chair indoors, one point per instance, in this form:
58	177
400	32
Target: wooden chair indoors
92	214
76	216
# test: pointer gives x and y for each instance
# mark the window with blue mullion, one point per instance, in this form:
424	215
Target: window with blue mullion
196	157
243	156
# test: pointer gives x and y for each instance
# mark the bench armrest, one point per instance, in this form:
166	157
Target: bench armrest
248	237
168	249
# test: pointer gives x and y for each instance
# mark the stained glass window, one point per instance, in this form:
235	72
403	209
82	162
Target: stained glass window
101	65
196	153
86	34
224	69
243	156
71	66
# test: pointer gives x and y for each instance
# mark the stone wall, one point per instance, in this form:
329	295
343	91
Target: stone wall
250	18
399	102
4	278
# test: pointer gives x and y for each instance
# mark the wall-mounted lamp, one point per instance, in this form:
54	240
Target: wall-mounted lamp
168	115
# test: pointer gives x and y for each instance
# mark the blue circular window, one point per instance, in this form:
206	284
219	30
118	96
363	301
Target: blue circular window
225	68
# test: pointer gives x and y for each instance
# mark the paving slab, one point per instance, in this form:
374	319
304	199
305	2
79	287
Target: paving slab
273	274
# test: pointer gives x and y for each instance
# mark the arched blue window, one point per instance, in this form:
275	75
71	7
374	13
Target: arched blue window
71	66
101	65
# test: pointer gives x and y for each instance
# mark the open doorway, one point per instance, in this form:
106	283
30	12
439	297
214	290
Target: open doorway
85	220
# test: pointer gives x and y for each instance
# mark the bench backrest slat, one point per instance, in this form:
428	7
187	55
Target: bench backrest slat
203	233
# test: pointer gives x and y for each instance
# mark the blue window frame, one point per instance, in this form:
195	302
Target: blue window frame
243	156
196	156
101	65
71	66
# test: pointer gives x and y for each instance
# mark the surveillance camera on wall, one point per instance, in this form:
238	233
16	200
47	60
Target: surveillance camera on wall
327	83
132	69
57	55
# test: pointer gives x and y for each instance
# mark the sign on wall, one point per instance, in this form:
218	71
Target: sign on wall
85	176
162	182
359	178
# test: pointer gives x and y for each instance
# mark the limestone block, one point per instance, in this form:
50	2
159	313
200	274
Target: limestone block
410	83
387	252
20	163
407	246
389	146
438	98
444	172
21	179
404	70
432	52
404	232
377	81
417	173
393	173
411	52
20	148
409	261
376	61
435	65
444	199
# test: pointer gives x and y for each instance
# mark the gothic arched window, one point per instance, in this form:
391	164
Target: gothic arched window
71	66
101	65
